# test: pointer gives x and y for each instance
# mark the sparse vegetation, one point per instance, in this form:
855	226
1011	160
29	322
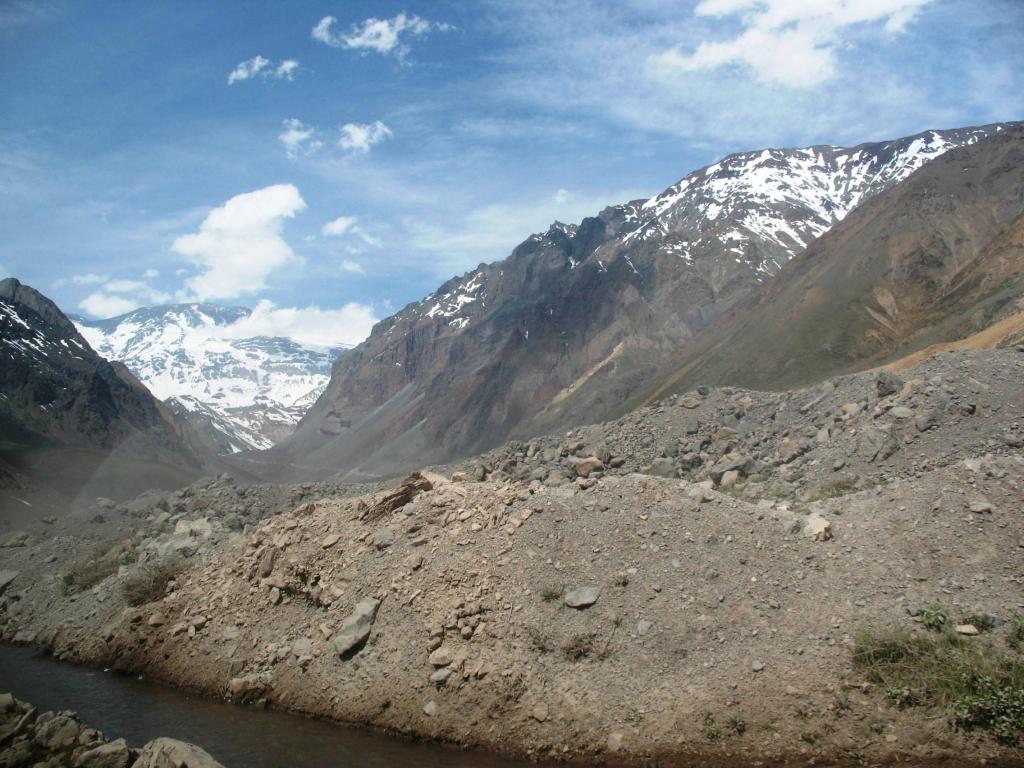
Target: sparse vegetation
980	621
579	647
104	560
1015	635
737	724
550	593
838	487
149	582
934	617
842	703
710	727
980	688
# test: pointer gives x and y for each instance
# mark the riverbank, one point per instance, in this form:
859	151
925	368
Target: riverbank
57	739
615	617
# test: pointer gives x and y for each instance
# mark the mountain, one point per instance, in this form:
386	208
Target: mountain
240	393
937	258
72	423
580	318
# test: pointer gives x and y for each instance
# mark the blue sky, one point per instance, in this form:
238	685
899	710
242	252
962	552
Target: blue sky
331	171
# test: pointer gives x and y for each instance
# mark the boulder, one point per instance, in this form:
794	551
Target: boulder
817	527
663	467
171	753
583	467
887	383
582	597
356	628
113	755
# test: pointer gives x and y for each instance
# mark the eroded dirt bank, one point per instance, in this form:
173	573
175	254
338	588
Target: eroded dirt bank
572	603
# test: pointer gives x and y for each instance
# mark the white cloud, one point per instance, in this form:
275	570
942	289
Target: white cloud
149	274
349	225
492	231
99	304
299	138
311	326
248	69
338	226
787	42
286	69
258	66
90	278
353	266
116	297
239	244
384	36
359	137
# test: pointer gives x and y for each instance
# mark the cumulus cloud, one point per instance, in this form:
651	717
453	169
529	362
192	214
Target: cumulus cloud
311	326
353	266
785	42
359	137
338	226
99	304
239	244
299	138
149	274
384	36
115	297
258	66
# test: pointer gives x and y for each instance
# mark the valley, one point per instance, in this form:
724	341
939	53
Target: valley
728	476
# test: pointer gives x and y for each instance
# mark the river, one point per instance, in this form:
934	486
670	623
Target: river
237	736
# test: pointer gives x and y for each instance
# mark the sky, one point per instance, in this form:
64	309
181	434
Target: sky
330	162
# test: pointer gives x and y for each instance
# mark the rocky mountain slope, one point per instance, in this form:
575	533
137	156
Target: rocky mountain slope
937	258
577	319
718	579
69	417
240	393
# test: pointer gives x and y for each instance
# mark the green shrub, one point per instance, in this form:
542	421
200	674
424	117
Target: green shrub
104	560
150	580
969	679
934	617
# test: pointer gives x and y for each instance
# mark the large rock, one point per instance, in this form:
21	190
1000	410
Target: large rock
583	467
663	467
582	597
113	755
171	753
6	577
356	628
886	384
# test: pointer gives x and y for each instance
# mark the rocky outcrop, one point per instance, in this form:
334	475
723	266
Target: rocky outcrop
55	739
70	416
936	259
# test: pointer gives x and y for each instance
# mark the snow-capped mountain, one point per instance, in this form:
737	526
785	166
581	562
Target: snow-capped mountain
242	393
757	209
579	317
64	409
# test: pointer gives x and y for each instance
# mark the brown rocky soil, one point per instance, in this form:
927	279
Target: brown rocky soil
683	584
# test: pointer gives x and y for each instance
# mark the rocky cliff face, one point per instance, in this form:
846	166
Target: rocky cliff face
938	258
578	318
71	418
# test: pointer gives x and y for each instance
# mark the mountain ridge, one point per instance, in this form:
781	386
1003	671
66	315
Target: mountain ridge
577	317
241	393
